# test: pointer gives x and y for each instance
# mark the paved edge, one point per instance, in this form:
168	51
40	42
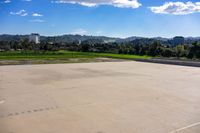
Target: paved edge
171	62
158	61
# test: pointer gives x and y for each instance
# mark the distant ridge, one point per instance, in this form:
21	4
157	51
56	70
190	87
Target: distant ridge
73	38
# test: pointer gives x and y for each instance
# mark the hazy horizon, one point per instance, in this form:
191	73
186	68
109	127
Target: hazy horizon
104	35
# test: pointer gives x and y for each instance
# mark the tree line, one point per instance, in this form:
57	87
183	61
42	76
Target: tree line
155	48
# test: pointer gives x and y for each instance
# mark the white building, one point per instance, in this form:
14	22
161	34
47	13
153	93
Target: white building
34	37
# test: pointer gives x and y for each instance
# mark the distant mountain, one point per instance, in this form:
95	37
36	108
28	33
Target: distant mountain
193	37
102	39
161	38
62	38
128	39
72	38
6	37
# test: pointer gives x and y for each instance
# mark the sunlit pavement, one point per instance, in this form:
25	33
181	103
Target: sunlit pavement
112	97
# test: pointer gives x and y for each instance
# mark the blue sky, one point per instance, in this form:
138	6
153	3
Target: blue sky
116	18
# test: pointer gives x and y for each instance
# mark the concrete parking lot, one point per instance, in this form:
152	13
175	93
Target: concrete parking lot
108	97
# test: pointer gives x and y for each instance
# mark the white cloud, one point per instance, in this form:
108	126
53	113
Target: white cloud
6	1
177	8
92	3
20	13
37	21
37	15
79	32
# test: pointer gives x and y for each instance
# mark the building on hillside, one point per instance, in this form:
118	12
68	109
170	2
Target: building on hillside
79	42
34	37
178	40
